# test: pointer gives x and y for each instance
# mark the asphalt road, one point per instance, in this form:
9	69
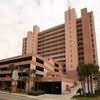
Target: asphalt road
9	96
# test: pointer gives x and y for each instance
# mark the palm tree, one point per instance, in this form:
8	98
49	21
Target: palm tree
97	78
21	74
33	74
87	71
12	67
81	74
93	71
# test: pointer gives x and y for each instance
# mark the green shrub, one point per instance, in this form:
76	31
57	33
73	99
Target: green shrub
80	91
97	92
36	92
20	90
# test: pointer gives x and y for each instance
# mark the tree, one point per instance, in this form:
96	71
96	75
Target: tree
81	74
86	73
21	74
94	69
12	67
33	74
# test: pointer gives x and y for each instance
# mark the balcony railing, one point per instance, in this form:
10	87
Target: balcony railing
39	72
5	79
5	72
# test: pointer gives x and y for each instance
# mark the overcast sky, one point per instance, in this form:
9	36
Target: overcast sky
19	16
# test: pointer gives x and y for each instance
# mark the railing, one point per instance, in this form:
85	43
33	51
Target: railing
5	72
5	79
16	64
39	72
39	64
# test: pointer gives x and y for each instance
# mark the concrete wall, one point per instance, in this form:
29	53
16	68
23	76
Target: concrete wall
71	39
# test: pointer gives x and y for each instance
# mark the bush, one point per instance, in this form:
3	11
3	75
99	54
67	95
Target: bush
36	92
80	91
20	90
7	89
97	92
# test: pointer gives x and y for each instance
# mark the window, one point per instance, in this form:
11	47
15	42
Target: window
56	70
56	65
39	68
39	60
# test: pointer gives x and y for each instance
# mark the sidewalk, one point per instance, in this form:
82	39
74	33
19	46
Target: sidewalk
19	94
54	97
41	97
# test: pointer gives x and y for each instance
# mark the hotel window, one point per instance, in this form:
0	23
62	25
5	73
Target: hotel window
56	70
93	55
39	68
64	70
94	61
71	55
71	60
71	51
56	65
93	45
39	60
70	46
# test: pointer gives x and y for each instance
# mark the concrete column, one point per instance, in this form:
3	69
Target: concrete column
14	86
27	87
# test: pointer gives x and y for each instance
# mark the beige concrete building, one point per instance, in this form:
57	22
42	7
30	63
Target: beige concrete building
70	44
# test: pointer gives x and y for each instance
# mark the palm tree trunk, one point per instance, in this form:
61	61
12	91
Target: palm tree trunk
91	84
21	81
88	85
84	88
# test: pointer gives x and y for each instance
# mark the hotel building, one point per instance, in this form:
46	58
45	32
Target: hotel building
70	44
54	53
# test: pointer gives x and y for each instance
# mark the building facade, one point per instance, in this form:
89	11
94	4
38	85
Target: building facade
53	55
45	72
71	43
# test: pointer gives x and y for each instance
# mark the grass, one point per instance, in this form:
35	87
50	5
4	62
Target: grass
87	98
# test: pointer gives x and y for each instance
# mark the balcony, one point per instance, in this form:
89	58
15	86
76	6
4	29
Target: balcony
5	79
39	64
5	72
39	72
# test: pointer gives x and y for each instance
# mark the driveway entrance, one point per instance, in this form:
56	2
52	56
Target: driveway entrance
49	87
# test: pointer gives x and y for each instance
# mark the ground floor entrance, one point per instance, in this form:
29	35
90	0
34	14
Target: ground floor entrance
5	85
21	84
49	87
